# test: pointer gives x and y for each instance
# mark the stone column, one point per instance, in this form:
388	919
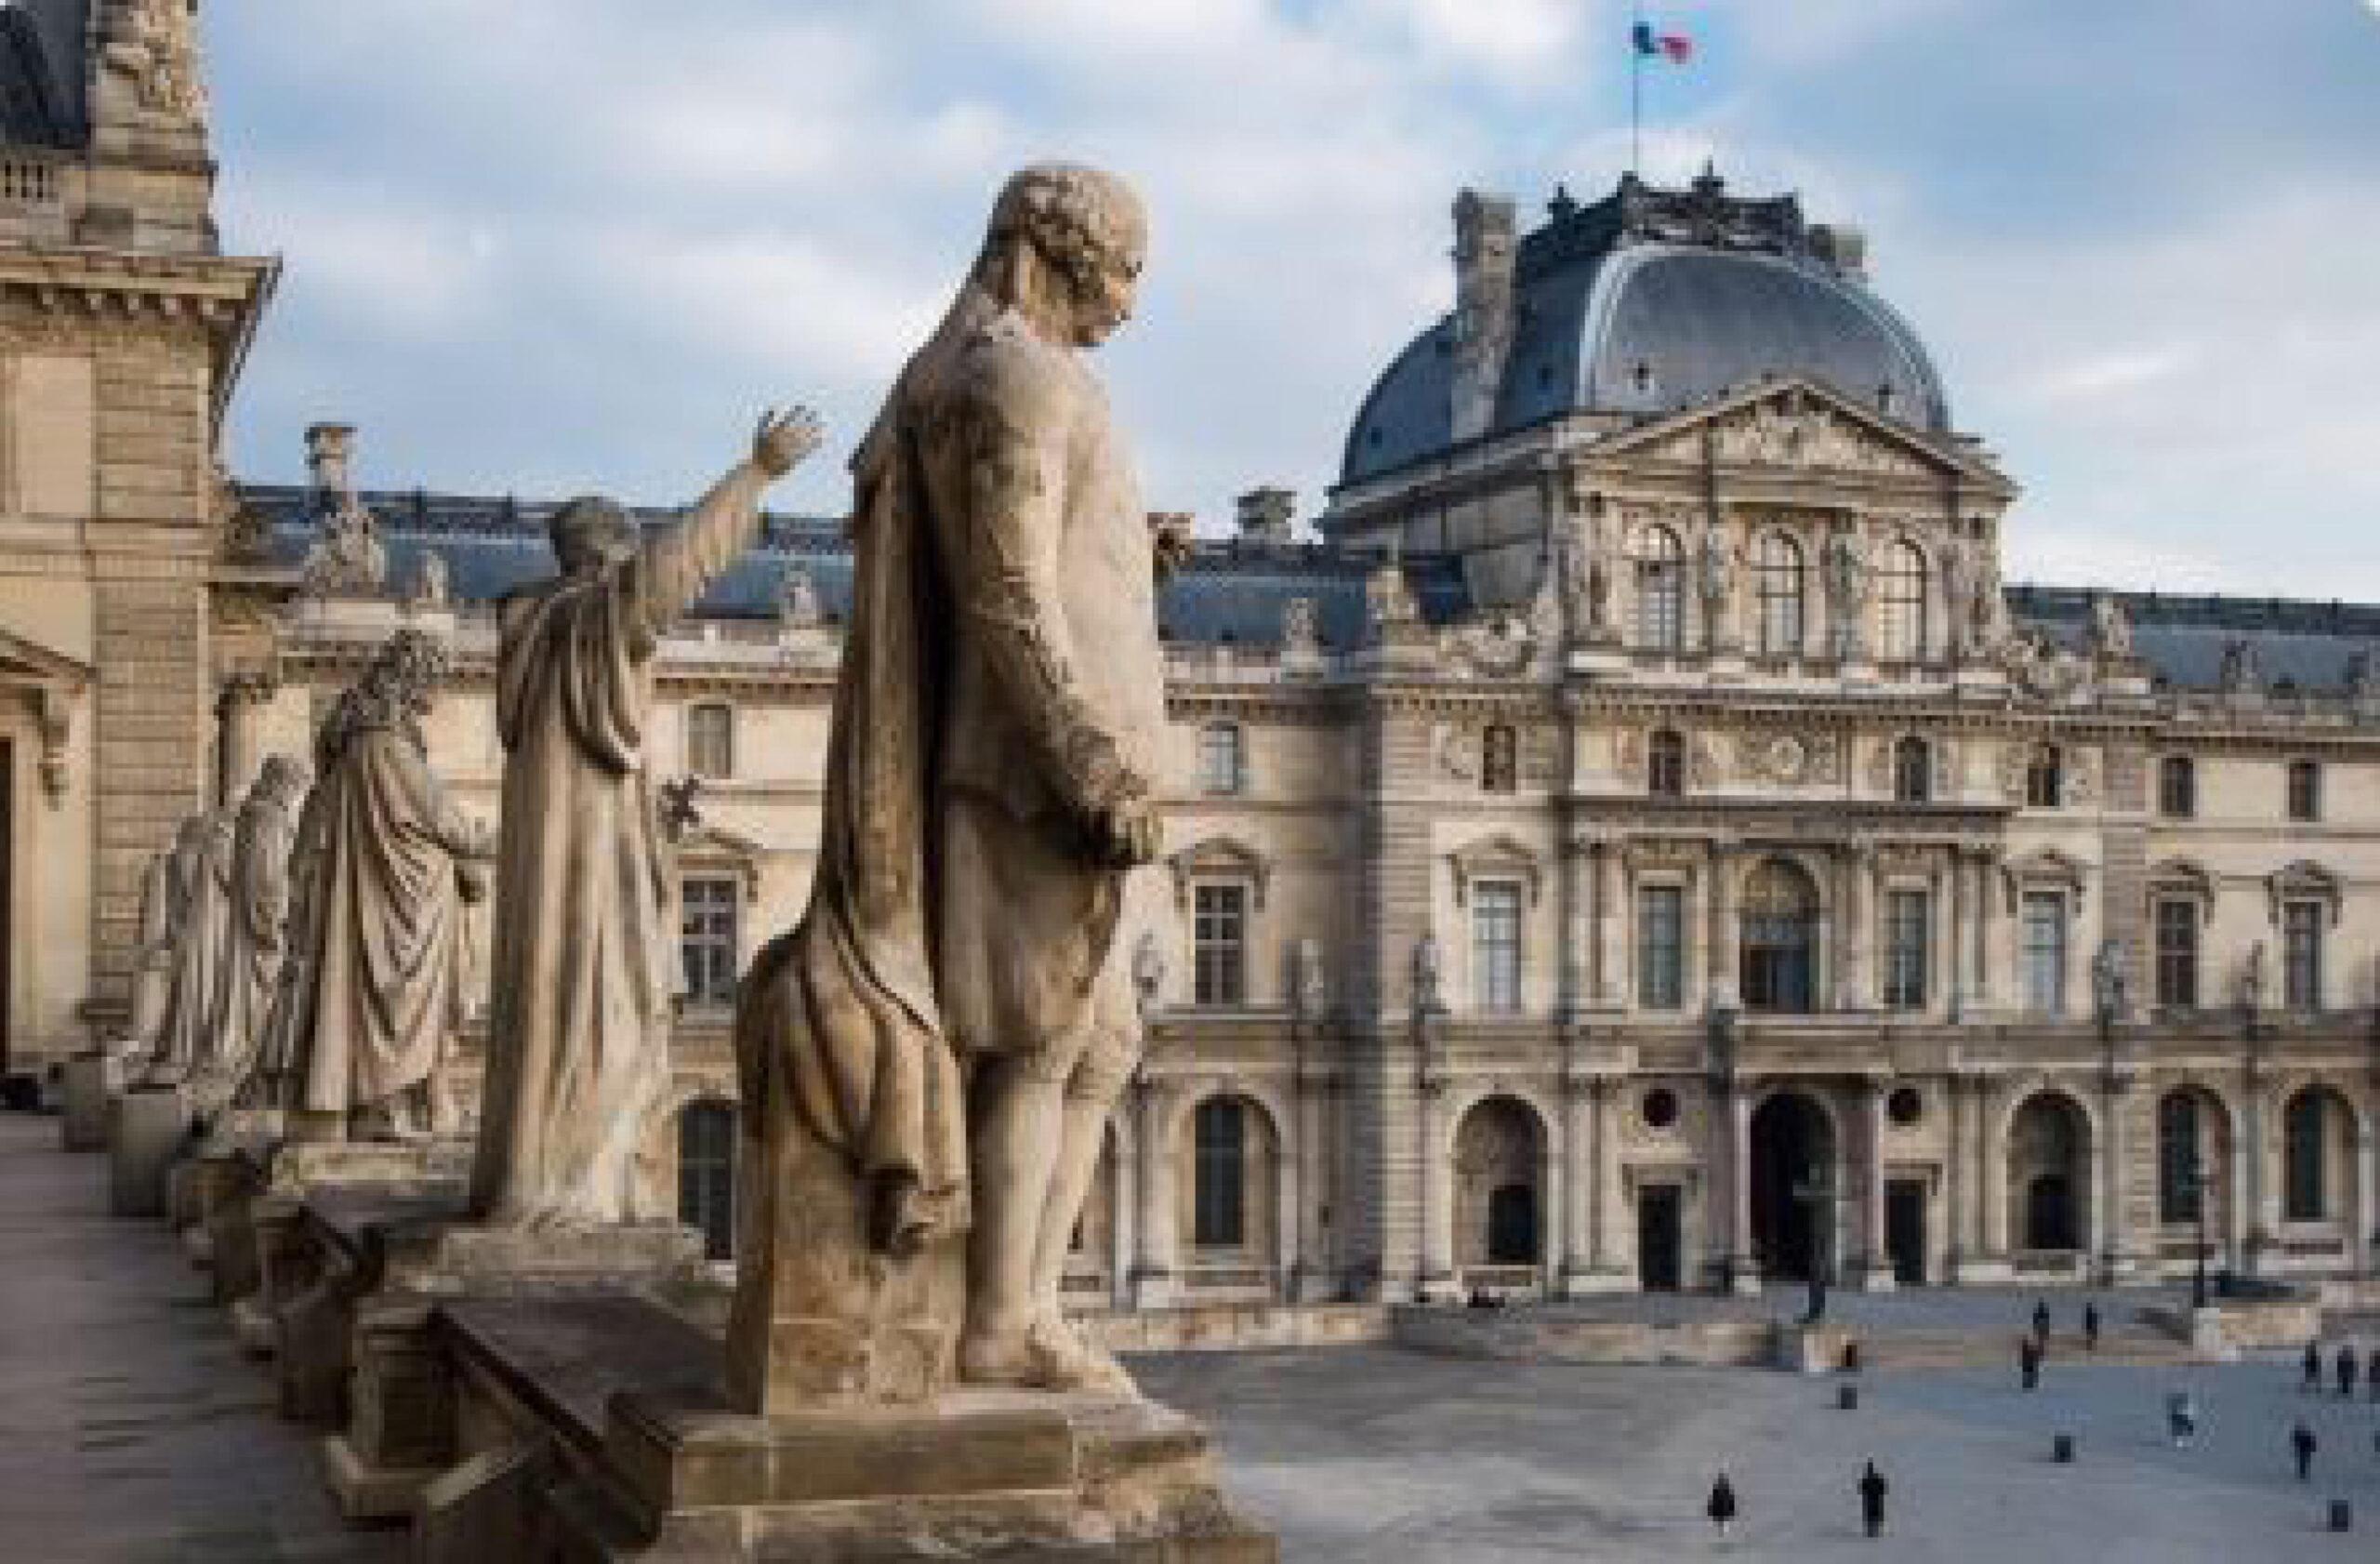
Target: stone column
1855	952
1992	1175
1152	1268
2367	1189
2117	1261
1988	975
1877	1267
1612	916
1743	1277
1720	929
1579	925
1578	1182
2257	1238
1312	1281
1958	941
237	708
1437	1279
1605	1189
1958	1180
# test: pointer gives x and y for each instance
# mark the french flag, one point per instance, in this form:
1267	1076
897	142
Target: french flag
1674	46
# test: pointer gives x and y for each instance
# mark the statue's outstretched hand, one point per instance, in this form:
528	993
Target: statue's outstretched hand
783	438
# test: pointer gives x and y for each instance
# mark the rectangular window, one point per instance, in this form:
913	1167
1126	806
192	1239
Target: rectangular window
1221	761
1496	946
2305	790
2045	952
2046	778
1218	945
1660	948
707	910
2177	922
710	740
1907	944
2176	787
2301	943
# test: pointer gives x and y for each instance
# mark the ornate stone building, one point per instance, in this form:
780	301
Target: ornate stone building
1643	844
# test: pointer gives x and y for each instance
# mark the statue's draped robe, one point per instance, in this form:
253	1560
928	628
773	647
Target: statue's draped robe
153	973
202	899
275	1082
583	963
384	923
259	906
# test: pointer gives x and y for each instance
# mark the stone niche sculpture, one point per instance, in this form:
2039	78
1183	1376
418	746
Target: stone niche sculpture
584	958
198	894
255	939
388	860
928	1056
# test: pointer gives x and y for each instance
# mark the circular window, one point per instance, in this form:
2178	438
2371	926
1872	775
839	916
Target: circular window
1659	1107
1906	1105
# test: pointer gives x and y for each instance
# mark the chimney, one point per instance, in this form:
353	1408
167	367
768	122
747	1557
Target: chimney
1842	246
1484	241
1265	514
329	448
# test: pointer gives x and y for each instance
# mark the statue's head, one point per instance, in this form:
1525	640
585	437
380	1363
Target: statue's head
282	777
590	532
403	679
192	836
1075	236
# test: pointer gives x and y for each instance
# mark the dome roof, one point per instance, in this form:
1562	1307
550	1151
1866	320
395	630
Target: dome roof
1653	300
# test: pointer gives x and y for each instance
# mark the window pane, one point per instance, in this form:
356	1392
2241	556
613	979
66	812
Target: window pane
1779	585
2177	787
1499	759
1219	1174
1912	771
2305	790
2306	1199
707	938
707	1175
1901	626
710	740
1496	944
2045	952
2177	1159
1218	945
1660	954
1660	590
1905	948
2044	778
2302	955
1220	757
1665	765
2177	952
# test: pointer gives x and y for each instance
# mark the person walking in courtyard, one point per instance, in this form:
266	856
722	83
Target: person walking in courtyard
2303	1444
1872	1488
1722	1508
2090	1326
2313	1365
2029	1363
2346	1371
2040	1321
2181	1418
2371	1374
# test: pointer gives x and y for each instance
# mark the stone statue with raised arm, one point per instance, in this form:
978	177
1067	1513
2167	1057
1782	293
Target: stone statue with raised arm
584	958
934	1047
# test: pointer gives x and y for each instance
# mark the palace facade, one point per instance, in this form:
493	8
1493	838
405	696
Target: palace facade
1640	843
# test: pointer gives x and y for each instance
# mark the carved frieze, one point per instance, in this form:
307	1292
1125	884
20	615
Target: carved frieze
1794	430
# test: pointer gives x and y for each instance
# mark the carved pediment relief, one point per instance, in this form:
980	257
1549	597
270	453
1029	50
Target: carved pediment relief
2304	881
1497	857
2046	870
1791	759
1220	857
1797	426
2185	876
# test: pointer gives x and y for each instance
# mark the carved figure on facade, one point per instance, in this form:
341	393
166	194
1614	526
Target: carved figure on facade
1718	586
1301	630
1498	645
348	559
2111	628
2111	981
1429	977
2362	676
1587	565
429	591
1313	980
391	862
2242	671
2254	981
200	897
256	941
152	958
156	48
1846	579
2043	667
1388	596
797	604
1148	970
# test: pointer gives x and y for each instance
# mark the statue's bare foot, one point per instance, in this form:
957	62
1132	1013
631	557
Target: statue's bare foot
1082	1363
1045	1356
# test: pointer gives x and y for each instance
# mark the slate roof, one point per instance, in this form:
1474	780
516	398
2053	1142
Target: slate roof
1704	291
2299	644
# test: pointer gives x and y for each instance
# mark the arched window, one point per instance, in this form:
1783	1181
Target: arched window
1223	761
2305	1128
1912	771
2176	787
2045	777
1778	576
706	1175
1219	1173
1901	597
710	740
2180	1158
1499	759
1779	934
1665	765
1660	589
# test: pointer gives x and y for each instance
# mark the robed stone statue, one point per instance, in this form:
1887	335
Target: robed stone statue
390	860
255	940
584	954
198	879
929	1057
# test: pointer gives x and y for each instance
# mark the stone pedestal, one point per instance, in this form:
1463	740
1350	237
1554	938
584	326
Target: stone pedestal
149	1129
92	1077
1594	1282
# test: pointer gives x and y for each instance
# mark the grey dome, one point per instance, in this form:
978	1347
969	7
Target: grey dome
1653	300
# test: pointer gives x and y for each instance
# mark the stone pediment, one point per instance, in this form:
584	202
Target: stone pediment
1802	427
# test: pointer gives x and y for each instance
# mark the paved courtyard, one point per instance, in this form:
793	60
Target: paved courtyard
1373	1454
131	1431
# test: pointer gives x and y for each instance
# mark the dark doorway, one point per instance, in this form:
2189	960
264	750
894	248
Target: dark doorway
1512	1225
1905	1230
1793	1151
1660	1238
2049	1213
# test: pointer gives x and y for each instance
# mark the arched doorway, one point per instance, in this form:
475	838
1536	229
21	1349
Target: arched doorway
1498	1149
2318	1157
2048	1173
1794	1185
1780	945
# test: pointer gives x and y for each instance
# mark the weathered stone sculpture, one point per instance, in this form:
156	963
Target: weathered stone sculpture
199	895
153	961
579	1029
254	946
989	790
390	861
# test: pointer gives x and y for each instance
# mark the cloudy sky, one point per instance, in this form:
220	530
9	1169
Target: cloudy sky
548	245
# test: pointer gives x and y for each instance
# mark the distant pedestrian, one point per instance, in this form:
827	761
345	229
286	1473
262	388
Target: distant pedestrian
2029	1363
2090	1326
2313	1362
2181	1418
2371	1374
1872	1488
2040	1321
2303	1443
2347	1371
1722	1508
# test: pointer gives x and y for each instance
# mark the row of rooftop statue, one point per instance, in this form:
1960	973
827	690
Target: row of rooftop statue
927	1059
